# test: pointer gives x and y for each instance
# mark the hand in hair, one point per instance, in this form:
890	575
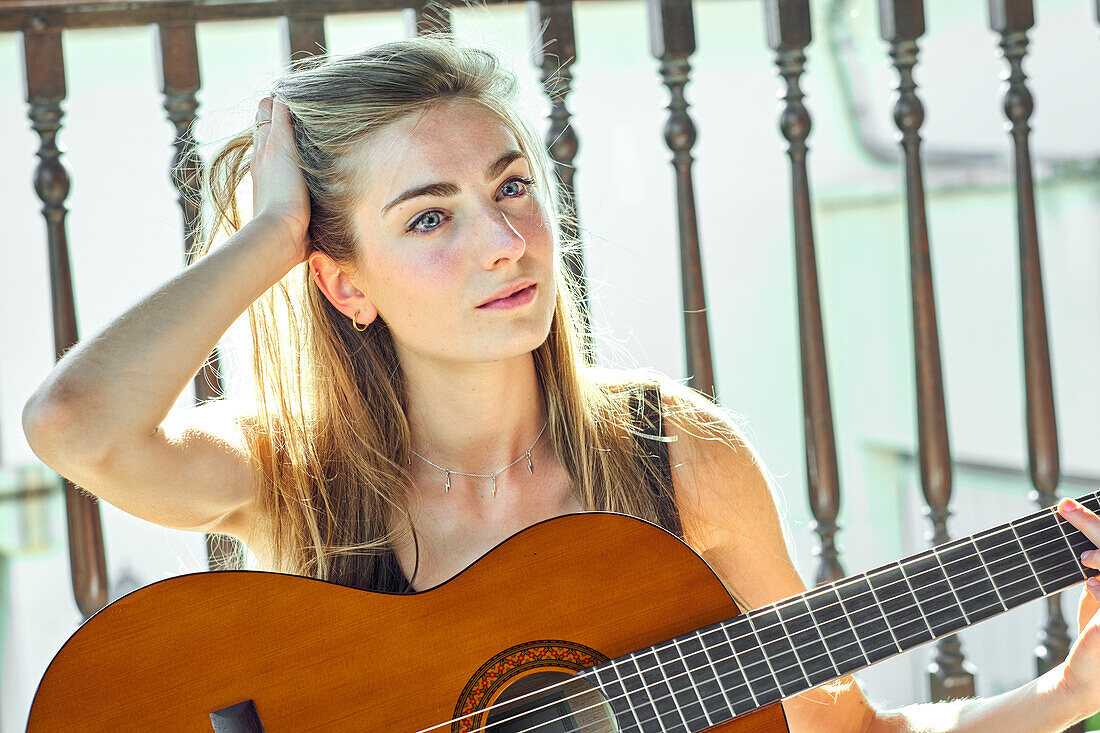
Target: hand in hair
278	187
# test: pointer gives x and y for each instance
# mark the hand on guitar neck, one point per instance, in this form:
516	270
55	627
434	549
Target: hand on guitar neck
1081	673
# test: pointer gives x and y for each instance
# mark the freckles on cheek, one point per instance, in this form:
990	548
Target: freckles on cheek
427	281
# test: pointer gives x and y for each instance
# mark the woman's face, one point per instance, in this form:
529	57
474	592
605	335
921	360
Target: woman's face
448	224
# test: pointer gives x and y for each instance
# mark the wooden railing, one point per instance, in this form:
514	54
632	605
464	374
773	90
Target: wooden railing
672	40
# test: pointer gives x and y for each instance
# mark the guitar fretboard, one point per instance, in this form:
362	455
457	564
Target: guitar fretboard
733	667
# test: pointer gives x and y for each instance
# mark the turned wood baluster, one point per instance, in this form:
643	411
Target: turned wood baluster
301	34
902	23
178	70
44	78
672	41
789	32
426	16
1012	19
553	52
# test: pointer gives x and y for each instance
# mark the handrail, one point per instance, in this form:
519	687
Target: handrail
42	15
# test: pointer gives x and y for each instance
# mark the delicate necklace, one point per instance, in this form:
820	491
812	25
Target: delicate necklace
447	472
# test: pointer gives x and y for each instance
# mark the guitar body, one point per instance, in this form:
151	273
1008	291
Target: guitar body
560	596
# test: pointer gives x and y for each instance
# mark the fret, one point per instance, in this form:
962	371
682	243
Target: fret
1007	563
758	674
1046	550
653	680
705	676
973	587
808	644
934	593
988	574
733	670
609	682
836	630
899	604
1092	501
868	619
778	651
1076	541
679	681
636	693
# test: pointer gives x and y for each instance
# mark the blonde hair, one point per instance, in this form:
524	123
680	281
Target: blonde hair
329	434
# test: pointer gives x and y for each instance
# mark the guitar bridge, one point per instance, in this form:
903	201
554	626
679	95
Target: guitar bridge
238	718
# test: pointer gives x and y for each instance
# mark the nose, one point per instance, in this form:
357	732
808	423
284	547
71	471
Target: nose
502	242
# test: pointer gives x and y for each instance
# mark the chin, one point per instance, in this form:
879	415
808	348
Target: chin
520	340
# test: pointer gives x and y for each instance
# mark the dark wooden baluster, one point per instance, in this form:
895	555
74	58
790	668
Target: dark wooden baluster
902	23
426	16
178	70
44	78
553	51
672	41
302	35
1012	19
788	29
178	67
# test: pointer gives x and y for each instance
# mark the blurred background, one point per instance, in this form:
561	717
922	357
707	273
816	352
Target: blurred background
124	227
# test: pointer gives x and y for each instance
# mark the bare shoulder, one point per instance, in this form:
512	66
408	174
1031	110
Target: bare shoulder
729	505
731	516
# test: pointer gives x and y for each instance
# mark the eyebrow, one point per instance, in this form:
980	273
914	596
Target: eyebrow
452	189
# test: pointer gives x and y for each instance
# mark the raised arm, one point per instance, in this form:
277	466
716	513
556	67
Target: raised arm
101	417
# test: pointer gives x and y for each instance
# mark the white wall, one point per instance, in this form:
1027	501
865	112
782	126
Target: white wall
124	230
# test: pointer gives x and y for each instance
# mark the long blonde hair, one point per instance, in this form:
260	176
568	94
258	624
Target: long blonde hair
329	434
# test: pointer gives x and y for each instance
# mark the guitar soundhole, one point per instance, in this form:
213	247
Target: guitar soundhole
540	703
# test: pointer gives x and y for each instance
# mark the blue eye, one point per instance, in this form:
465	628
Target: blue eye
525	181
430	217
427	216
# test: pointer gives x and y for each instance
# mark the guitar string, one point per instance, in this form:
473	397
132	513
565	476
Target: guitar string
748	681
837	585
767	609
672	693
773	677
682	720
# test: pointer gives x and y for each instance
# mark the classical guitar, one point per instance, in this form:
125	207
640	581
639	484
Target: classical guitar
586	622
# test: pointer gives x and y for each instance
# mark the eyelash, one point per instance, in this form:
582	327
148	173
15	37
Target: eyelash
527	182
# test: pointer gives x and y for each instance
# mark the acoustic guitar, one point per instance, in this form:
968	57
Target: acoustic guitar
587	622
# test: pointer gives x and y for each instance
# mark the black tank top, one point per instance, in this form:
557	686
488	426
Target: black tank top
386	573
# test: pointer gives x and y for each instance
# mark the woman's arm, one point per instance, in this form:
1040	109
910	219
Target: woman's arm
730	517
99	418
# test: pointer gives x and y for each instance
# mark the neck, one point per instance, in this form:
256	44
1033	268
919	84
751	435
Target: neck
474	418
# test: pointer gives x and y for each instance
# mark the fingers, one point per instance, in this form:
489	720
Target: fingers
1082	518
263	112
262	130
1089	524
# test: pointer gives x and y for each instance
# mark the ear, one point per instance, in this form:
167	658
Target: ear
337	286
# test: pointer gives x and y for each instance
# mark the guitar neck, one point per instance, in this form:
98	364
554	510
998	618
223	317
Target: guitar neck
733	667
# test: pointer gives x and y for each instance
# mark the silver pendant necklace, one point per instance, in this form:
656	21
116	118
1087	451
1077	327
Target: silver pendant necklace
447	472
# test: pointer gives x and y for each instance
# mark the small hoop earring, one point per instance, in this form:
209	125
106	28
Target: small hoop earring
355	323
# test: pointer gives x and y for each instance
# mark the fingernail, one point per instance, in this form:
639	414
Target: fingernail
1093	581
1071	505
1086	555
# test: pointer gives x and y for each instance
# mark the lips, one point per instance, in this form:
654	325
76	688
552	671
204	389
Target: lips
507	291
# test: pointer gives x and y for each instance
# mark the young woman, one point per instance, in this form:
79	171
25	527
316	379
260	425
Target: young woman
420	392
